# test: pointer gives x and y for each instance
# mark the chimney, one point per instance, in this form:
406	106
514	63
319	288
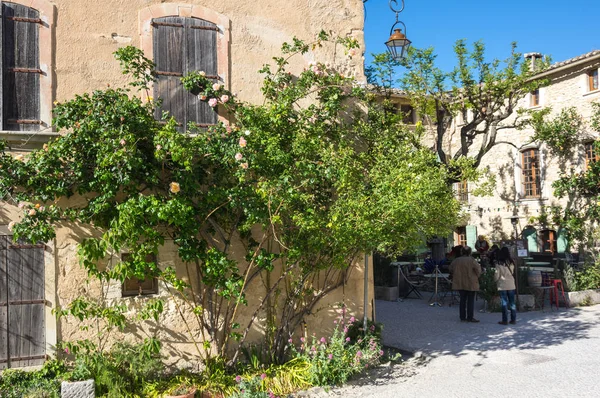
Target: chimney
532	57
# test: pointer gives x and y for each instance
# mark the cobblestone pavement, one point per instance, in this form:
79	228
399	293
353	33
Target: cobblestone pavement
547	354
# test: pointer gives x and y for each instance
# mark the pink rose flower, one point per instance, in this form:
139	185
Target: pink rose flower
290	341
32	212
224	98
212	102
347	339
323	340
238	156
122	142
243	142
216	86
330	356
302	339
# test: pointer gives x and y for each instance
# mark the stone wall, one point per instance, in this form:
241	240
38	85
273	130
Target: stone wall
491	214
81	38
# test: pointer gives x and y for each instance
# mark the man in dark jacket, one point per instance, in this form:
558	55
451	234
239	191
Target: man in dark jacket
465	278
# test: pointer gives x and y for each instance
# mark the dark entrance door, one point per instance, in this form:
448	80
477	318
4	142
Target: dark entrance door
22	331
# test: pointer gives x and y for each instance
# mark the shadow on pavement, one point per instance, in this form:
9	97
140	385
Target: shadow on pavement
415	326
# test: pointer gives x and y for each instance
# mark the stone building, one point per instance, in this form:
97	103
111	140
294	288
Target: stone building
525	170
65	47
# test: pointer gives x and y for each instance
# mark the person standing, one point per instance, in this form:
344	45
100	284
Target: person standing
506	286
465	278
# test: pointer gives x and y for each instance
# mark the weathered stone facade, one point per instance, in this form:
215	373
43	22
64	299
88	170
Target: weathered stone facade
77	42
490	215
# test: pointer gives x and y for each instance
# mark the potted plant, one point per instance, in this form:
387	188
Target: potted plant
182	390
488	289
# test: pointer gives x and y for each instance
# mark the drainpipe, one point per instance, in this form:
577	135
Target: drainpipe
366	298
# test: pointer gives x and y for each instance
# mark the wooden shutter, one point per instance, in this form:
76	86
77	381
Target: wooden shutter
20	68
22	305
530	234
182	45
471	236
562	244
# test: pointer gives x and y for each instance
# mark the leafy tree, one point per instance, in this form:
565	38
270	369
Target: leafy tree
489	90
307	181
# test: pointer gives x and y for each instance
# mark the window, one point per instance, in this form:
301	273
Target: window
408	114
137	287
462	191
593	80
548	238
182	45
534	98
20	64
460	236
591	154
531	173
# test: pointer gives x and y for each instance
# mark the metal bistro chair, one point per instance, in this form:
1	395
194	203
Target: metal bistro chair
415	282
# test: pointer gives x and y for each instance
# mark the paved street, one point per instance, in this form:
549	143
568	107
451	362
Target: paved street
547	354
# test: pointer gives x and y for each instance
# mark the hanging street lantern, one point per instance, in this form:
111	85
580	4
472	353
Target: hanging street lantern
398	43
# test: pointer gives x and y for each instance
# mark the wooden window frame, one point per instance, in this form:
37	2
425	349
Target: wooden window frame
593	80
462	191
140	291
534	98
548	237
530	163
460	236
591	154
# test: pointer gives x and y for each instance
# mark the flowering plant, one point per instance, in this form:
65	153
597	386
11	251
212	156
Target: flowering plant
333	361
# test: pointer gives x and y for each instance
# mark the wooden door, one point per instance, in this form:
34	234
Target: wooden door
22	305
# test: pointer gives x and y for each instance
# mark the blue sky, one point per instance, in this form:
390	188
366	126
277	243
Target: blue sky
560	29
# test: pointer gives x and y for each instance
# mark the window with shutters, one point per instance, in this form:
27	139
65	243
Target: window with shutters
531	173
20	64
139	287
182	45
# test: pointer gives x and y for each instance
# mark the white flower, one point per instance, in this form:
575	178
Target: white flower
238	156
202	73
247	132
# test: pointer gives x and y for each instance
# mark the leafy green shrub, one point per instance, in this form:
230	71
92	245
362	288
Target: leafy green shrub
44	383
588	278
120	372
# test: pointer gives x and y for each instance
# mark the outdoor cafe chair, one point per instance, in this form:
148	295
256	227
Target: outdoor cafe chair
414	282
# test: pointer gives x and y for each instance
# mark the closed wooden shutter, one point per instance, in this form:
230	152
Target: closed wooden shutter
182	45
22	305
20	81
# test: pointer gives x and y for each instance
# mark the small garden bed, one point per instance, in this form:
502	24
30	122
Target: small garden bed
135	371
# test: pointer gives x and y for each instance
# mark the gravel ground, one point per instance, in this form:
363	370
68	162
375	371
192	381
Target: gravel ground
547	354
